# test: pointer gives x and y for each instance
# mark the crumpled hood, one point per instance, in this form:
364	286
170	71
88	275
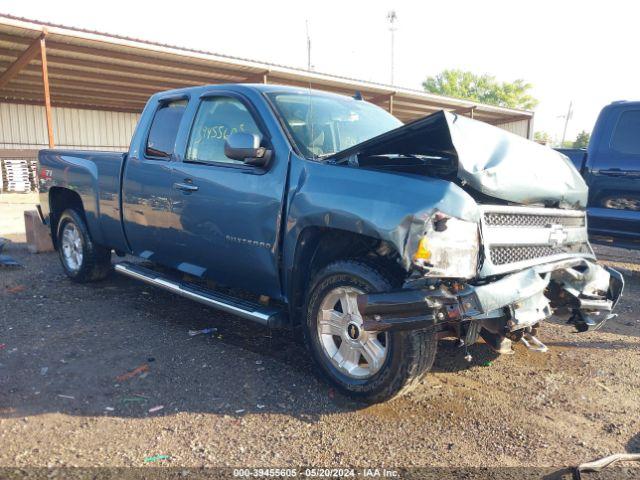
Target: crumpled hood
487	158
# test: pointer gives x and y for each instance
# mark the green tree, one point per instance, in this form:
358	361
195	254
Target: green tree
481	88
582	140
542	137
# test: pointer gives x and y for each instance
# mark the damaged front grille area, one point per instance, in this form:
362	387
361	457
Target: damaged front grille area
516	237
498	219
512	254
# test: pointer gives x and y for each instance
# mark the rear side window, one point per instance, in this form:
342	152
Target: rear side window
217	118
626	137
164	128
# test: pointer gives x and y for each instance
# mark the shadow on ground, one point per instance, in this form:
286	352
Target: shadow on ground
121	348
633	445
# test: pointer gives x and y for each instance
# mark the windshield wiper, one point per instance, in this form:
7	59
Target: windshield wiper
322	156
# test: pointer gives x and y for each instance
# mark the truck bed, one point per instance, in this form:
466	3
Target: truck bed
95	177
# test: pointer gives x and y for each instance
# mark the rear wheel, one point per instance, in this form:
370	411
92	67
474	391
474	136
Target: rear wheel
369	366
81	258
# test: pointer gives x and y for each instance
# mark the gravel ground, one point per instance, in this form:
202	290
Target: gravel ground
249	397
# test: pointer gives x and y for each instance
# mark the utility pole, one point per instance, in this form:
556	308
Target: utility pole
308	46
391	18
566	122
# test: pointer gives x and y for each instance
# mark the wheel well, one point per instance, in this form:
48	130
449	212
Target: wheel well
59	200
318	247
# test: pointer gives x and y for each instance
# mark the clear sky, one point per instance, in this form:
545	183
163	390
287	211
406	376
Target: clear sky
582	51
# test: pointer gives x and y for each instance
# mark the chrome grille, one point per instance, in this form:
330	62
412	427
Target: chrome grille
515	237
499	219
522	253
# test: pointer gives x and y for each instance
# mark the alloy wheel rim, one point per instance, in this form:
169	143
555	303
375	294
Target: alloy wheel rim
355	352
72	247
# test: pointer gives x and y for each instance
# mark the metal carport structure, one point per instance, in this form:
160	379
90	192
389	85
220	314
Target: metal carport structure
54	66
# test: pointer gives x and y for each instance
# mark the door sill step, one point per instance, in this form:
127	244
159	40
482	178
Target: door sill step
272	317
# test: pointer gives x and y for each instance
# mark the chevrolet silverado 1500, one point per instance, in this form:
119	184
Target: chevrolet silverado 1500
373	238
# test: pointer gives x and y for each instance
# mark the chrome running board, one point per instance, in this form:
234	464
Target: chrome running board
269	316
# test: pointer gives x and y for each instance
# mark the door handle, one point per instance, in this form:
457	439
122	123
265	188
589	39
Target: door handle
185	187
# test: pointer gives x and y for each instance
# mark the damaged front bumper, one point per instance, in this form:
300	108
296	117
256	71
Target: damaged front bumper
514	304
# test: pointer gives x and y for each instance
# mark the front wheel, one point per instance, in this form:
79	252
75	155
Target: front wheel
369	366
81	258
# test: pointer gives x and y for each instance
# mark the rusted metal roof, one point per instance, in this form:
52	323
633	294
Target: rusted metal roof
88	69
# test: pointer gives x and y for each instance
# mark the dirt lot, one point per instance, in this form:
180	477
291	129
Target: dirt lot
248	397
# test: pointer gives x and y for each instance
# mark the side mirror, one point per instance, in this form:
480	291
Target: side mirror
246	148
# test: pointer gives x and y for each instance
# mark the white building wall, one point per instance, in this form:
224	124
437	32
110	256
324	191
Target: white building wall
25	127
520	127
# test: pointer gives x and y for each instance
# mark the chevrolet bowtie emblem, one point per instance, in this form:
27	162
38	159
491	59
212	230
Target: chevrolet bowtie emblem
558	235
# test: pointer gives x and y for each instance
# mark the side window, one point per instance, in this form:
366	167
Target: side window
164	128
217	118
626	136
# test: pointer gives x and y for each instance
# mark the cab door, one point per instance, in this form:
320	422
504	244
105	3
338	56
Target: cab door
150	224
613	175
229	212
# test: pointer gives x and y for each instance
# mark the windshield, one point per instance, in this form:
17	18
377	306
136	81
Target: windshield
322	125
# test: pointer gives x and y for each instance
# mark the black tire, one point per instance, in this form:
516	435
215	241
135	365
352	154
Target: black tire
95	261
410	354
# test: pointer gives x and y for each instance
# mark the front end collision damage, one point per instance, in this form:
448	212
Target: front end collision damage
502	270
510	308
516	209
520	266
488	159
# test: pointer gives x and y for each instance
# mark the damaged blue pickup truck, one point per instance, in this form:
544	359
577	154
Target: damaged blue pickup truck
373	238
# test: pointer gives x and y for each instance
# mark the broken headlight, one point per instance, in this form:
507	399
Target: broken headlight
449	247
